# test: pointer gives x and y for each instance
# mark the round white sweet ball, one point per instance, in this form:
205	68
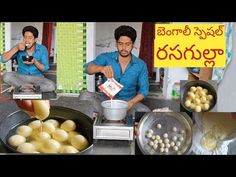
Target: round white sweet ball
24	130
42	136
53	121
68	125
48	127
73	133
174	129
69	149
16	140
159	126
36	144
206	106
210	97
26	148
36	124
51	146
193	89
79	142
60	135
198	109
187	103
165	135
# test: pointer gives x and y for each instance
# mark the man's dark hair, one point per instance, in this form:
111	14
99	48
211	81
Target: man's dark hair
31	29
125	31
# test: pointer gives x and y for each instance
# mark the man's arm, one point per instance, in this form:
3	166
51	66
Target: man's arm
106	70
8	55
39	65
135	100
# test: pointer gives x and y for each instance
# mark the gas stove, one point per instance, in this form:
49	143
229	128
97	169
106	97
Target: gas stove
113	130
27	92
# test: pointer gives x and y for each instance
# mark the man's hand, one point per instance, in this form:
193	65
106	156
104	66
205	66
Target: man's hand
130	104
21	46
29	63
27	106
107	71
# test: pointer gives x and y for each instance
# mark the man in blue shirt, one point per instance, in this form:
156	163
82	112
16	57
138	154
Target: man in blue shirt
124	67
32	59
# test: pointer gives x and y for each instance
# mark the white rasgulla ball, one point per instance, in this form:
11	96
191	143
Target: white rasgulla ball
149	135
181	139
174	138
16	140
167	145
53	121
205	90
197	101
166	140
175	148
155	141
198	109
178	144
165	135
60	135
166	150
174	129
36	124
151	143
42	136
48	127
24	130
26	148
69	149
158	137
206	106
68	125
191	95
193	106
150	131
199	88
162	149
187	103
73	133
36	144
210	97
79	142
193	89
153	137
155	146
51	146
159	126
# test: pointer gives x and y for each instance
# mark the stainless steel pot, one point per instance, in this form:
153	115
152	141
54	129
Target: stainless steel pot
115	109
84	124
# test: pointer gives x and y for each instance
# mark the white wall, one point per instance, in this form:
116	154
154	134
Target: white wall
16	31
227	86
105	41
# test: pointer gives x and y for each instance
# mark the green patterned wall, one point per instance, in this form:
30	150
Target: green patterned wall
2	44
71	56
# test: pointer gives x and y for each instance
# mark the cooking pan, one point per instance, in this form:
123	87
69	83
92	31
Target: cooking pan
84	124
186	87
